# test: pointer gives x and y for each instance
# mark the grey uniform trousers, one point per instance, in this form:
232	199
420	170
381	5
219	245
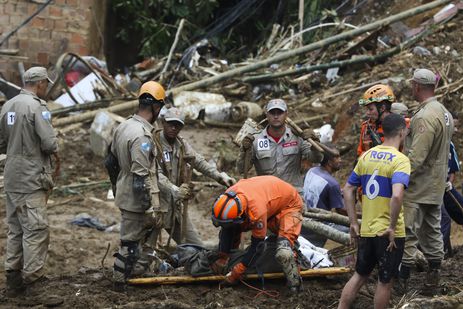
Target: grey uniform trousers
422	225
28	234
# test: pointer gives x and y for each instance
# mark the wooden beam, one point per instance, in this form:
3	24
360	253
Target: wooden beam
161	280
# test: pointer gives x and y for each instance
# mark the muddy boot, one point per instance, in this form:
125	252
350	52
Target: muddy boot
38	294
285	256
119	284
404	276
431	285
124	264
14	283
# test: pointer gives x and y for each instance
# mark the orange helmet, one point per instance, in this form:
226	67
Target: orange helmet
377	94
228	209
154	89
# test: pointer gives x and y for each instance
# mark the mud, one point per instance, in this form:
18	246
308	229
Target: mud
76	267
78	274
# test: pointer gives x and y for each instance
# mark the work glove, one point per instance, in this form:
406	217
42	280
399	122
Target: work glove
220	265
226	180
182	193
448	186
309	133
246	143
235	275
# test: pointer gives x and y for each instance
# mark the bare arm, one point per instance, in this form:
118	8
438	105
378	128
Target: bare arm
396	203
349	204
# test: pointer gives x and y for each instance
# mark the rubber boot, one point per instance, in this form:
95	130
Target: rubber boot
431	285
285	256
404	277
124	263
14	283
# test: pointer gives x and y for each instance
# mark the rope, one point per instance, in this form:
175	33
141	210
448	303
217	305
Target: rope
269	293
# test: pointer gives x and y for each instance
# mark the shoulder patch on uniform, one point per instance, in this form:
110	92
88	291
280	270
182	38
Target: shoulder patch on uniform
259	225
421	129
447	119
10	118
146	147
46	115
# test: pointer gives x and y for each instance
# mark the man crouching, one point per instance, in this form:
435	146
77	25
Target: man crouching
258	204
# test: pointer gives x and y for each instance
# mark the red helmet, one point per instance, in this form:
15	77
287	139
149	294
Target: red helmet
229	209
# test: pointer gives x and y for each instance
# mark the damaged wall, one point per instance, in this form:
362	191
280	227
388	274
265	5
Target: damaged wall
63	26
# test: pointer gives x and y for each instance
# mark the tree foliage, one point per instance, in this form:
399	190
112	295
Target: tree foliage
155	21
151	24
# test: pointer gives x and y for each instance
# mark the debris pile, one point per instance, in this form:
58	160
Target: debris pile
321	82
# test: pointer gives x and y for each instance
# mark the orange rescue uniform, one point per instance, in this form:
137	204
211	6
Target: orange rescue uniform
366	141
271	204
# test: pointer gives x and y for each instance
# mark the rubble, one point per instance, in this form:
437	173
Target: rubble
315	98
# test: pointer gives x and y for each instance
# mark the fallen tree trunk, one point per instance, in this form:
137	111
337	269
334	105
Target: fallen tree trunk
80	185
310	47
442	302
338	64
215	278
84	106
327	231
264	63
329	217
91	114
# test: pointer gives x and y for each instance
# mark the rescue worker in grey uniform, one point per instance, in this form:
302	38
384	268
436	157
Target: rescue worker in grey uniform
427	146
137	192
173	153
28	139
276	150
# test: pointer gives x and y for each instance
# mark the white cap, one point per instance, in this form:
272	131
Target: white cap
277	103
174	114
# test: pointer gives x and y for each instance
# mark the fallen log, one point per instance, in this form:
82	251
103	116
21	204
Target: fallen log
320	272
84	106
329	217
338	64
326	230
323	211
81	185
87	116
441	302
310	47
267	62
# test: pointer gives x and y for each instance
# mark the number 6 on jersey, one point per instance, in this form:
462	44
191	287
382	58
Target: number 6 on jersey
372	189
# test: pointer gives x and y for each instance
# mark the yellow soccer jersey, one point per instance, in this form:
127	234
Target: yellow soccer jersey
376	171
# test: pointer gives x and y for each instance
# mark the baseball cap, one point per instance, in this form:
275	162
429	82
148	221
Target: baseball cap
424	77
399	108
36	74
174	114
277	103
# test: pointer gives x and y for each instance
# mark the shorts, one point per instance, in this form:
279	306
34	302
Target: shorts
372	251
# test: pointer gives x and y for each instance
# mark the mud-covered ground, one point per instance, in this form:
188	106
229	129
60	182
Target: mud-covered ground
76	253
75	265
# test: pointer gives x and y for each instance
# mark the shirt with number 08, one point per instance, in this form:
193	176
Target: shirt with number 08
376	171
